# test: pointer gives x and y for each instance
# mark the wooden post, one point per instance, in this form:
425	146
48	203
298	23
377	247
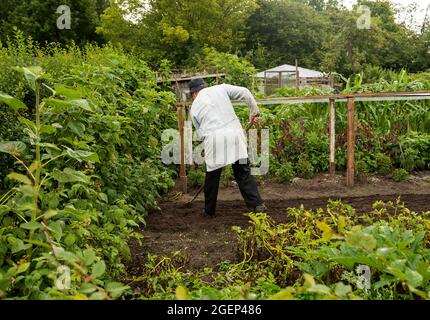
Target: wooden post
332	137
297	76
182	171
351	143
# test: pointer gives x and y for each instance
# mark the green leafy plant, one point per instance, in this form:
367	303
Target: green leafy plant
285	172
196	178
305	169
361	171
384	164
400	175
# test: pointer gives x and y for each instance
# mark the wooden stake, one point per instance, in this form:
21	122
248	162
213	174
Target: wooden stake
182	171
332	137
351	143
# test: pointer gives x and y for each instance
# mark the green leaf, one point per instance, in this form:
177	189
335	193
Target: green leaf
181	293
12	102
99	269
103	197
23	267
50	213
31	225
341	290
82	155
64	104
77	127
70	175
56	230
84	104
49	146
20	178
87	288
89	257
98	296
47	129
13	147
30	124
70	239
32	74
67	255
18	245
361	240
285	294
319	288
67	93
413	278
116	289
325	228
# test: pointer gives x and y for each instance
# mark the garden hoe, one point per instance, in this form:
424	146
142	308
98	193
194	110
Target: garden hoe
189	204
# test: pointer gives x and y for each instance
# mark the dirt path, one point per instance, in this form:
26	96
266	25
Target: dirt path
209	242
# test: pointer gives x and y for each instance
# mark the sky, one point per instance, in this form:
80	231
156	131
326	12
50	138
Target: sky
417	18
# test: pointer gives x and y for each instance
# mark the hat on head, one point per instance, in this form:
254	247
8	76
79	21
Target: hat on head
197	84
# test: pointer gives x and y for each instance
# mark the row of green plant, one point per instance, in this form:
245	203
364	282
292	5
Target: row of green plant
390	135
331	253
80	167
393	138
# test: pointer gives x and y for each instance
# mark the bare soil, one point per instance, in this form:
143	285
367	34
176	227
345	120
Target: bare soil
208	242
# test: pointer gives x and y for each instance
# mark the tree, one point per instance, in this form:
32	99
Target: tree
177	29
38	19
386	44
287	30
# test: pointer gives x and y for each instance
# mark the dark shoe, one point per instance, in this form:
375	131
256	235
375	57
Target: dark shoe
260	209
207	215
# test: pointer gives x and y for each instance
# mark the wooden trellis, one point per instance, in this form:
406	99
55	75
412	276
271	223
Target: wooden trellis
350	99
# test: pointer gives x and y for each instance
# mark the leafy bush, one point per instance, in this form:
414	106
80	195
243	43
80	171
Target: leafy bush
87	169
415	151
400	175
384	164
305	169
196	178
285	172
361	171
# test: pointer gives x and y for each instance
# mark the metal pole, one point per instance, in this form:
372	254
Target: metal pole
332	137
351	143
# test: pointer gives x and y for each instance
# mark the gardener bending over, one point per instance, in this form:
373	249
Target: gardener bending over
224	139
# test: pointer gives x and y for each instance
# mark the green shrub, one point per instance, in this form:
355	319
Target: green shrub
305	169
384	164
361	171
285	172
227	177
400	175
196	178
99	145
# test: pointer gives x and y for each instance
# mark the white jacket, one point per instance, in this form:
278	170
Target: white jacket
215	120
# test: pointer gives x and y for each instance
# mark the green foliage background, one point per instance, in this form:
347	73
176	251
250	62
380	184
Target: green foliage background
100	179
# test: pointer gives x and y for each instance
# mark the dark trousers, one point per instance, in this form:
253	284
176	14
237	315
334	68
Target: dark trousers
247	185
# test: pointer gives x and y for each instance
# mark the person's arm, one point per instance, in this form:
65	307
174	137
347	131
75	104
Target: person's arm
243	94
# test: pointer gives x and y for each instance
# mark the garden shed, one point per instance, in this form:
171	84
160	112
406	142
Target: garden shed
291	76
